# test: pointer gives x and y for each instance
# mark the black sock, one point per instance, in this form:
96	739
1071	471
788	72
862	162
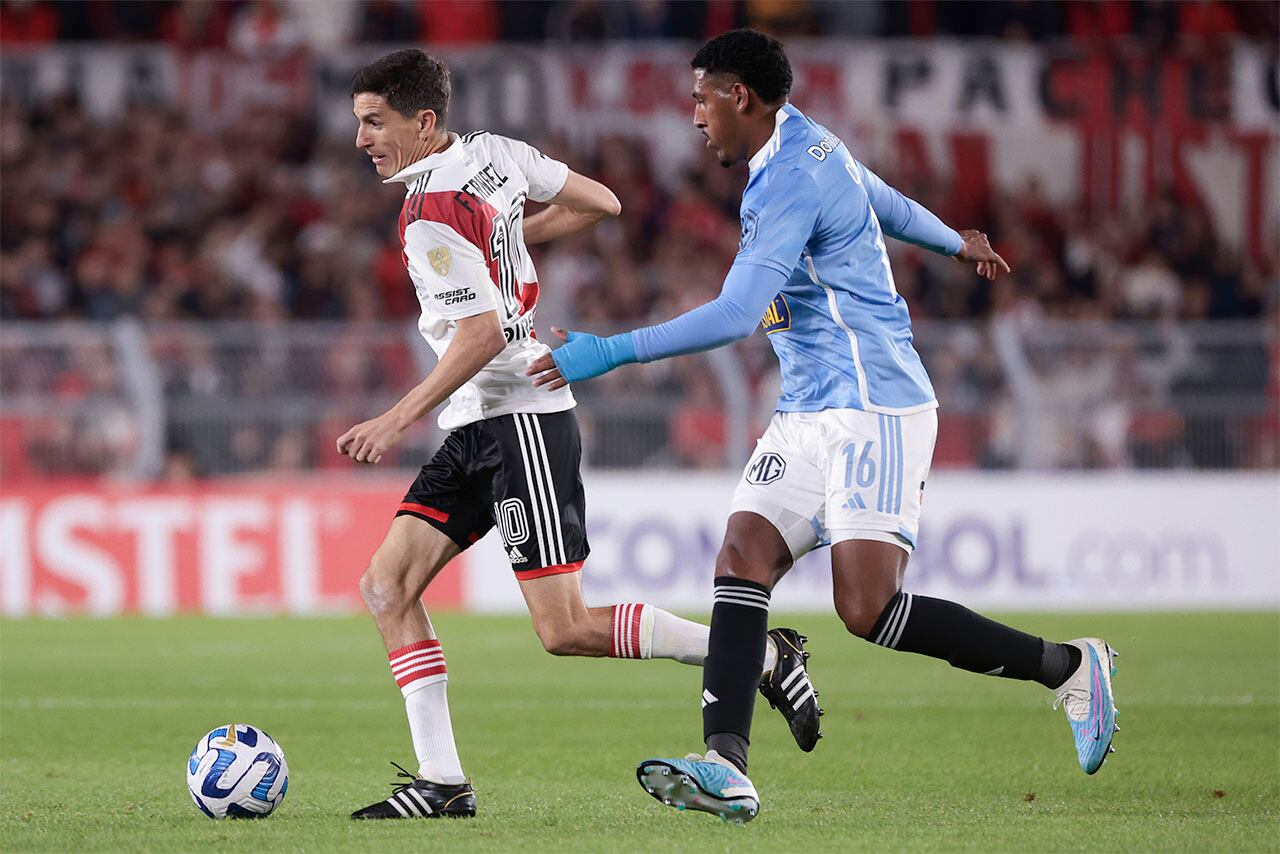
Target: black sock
1059	661
731	673
731	746
969	641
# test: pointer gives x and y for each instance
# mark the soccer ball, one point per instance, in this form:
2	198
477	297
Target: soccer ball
237	771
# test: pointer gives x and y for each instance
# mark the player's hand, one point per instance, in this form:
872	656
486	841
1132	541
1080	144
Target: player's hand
544	370
581	357
368	441
977	250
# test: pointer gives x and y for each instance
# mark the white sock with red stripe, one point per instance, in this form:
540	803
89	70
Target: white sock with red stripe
420	672
643	631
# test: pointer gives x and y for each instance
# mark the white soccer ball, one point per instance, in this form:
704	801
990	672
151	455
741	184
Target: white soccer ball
237	771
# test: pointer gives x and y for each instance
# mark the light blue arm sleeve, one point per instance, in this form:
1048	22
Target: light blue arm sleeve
748	290
908	220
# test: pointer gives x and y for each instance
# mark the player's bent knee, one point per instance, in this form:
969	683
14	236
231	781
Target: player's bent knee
732	563
383	590
860	614
561	640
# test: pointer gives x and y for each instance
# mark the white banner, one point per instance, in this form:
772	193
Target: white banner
1029	541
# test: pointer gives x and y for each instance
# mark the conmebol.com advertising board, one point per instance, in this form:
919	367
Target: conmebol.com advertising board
1034	541
1049	542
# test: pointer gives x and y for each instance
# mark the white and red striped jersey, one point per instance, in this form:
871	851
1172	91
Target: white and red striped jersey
462	226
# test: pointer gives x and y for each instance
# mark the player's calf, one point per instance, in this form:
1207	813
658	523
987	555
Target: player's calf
583	637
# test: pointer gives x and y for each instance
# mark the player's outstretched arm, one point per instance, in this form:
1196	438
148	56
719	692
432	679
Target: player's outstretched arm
747	292
582	203
907	220
477	340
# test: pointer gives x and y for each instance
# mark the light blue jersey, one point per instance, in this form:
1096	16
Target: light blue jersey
841	330
812	261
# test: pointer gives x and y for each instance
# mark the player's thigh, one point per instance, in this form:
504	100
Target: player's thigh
753	550
778	508
409	557
877	466
538	499
439	517
865	574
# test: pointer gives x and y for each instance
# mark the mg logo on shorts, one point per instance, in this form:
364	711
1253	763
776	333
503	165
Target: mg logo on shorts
766	469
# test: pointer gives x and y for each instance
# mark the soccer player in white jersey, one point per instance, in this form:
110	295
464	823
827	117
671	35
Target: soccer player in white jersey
845	458
511	459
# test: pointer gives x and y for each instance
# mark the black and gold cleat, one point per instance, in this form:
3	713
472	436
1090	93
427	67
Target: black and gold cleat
421	798
788	689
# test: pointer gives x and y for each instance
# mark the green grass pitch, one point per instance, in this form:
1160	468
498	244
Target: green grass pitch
97	718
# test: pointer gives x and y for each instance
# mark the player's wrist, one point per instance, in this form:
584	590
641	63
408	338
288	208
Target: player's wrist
400	417
621	349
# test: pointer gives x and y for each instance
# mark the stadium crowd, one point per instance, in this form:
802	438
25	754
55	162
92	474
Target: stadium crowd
152	217
271	24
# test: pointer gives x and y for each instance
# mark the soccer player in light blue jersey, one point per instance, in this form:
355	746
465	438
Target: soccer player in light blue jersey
845	458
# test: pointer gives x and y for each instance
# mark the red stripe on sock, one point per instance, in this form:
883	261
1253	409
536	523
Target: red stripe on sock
416	660
526	574
430	643
424	510
423	673
635	630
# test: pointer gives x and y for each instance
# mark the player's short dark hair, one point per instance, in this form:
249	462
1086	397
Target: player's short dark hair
754	58
410	80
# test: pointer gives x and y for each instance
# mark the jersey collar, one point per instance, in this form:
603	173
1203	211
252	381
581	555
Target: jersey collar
770	148
452	154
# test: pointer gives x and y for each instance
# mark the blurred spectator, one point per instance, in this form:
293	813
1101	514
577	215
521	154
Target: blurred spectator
197	24
267	26
388	21
460	21
27	22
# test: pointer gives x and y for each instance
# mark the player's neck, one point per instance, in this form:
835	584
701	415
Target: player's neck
760	131
434	144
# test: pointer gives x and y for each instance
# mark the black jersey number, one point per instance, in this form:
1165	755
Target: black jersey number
503	250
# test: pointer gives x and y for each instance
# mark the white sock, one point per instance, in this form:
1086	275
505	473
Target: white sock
643	631
419	670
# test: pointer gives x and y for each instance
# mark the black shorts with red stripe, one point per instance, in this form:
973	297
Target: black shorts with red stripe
519	472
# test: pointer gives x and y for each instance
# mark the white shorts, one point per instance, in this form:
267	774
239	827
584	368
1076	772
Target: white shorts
840	474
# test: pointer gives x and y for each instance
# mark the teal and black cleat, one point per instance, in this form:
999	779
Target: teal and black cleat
711	785
1090	705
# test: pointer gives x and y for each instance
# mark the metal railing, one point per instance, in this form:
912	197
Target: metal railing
209	399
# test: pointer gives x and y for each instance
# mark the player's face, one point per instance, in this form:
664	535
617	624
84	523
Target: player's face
390	139
716	115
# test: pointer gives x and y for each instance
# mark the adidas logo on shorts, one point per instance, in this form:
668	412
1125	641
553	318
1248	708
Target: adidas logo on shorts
516	556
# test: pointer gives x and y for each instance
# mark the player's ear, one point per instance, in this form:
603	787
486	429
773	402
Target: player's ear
427	121
741	96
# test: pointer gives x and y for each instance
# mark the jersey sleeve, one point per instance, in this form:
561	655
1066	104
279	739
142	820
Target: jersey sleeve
451	268
779	220
907	219
748	290
545	175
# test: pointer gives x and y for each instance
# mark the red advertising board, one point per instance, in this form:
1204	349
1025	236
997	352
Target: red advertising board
296	546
